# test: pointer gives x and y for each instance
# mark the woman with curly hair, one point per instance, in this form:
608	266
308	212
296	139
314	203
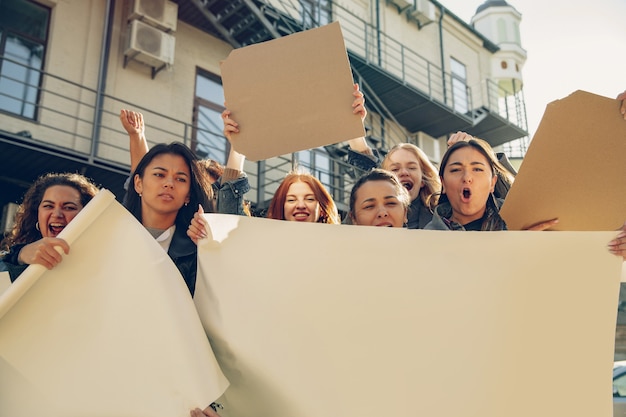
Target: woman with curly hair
48	206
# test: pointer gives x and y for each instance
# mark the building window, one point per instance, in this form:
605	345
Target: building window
503	35
318	162
208	141
316	13
23	38
460	96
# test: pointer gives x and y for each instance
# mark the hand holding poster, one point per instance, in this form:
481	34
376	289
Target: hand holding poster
291	93
574	169
359	321
110	331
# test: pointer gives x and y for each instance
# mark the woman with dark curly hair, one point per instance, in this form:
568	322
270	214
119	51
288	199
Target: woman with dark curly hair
48	206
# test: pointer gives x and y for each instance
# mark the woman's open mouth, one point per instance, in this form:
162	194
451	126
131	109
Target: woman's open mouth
466	194
56	228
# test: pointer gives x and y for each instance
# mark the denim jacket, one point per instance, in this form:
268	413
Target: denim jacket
230	195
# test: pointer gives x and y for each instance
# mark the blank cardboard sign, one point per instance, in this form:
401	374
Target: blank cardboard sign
291	94
574	169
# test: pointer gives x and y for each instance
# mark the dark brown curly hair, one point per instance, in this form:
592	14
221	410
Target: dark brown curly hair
24	229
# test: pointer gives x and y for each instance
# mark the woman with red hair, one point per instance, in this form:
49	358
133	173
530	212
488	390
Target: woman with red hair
303	198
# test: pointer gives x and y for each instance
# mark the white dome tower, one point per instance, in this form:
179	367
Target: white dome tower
499	22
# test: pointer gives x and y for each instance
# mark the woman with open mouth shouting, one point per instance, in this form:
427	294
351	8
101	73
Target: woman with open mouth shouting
408	162
469	171
48	206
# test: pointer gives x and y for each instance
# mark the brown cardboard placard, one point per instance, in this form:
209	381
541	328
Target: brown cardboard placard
291	93
575	168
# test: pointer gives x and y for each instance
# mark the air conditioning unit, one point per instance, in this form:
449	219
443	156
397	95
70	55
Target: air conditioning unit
149	45
423	11
402	4
162	14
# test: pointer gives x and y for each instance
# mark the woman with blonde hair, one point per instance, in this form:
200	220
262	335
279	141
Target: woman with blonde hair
303	198
414	170
420	178
410	164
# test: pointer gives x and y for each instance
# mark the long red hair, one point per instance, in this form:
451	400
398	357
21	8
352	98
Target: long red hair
328	209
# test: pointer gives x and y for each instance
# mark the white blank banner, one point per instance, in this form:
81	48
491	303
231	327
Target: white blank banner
313	319
110	331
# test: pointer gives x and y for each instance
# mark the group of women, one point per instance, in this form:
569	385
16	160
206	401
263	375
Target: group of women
169	189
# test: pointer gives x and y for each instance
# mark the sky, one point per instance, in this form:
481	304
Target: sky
570	46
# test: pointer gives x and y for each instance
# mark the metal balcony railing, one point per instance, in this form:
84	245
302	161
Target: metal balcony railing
63	118
403	62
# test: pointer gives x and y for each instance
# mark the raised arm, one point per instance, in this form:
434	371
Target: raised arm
235	159
233	184
358	107
138	145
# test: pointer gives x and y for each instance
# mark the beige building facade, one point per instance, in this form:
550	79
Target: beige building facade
67	67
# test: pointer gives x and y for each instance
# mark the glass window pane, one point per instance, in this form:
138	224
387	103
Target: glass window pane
317	162
209	90
316	12
458	69
211	144
322	167
304	159
460	96
19	83
25	17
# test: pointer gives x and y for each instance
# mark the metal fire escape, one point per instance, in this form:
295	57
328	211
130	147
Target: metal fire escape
399	84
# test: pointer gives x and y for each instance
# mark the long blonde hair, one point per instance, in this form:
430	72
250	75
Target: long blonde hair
429	192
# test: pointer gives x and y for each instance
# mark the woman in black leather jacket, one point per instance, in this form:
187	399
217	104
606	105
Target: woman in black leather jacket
168	187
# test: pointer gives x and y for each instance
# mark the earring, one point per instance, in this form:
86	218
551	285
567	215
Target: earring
139	195
186	203
37	225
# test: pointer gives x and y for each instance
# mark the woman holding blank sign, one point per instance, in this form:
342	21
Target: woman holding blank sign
411	165
469	171
300	196
379	199
48	206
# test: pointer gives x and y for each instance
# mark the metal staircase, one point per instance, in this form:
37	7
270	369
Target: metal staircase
246	22
409	89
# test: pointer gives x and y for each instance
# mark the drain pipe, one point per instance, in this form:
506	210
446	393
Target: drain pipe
102	75
443	66
380	58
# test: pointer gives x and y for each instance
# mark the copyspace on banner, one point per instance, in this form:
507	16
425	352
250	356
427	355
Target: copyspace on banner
5	281
110	331
291	93
580	130
310	319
